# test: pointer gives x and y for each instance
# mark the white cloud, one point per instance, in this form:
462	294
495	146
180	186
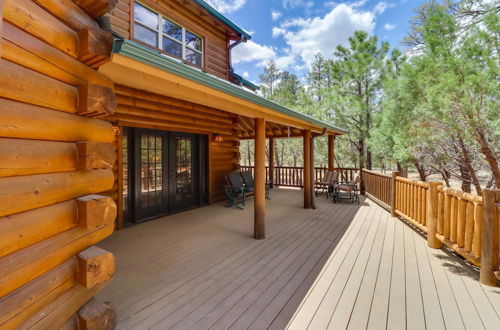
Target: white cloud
389	27
290	4
278	31
227	6
251	52
246	74
306	37
276	15
381	7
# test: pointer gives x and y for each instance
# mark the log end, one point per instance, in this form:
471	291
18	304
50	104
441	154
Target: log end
96	315
95	211
95	266
96	8
95	155
96	100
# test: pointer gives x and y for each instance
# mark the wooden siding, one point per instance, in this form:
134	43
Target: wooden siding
190	16
51	163
138	108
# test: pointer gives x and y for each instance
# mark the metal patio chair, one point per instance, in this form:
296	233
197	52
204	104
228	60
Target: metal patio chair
250	184
235	190
347	191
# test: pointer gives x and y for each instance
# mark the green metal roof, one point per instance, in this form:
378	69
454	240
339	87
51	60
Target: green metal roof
147	55
245	81
222	18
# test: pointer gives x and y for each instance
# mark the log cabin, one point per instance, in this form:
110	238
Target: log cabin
115	112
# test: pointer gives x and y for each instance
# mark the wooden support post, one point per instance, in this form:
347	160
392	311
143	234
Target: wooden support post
260	179
393	193
489	239
432	215
96	315
307	169
312	179
331	152
271	162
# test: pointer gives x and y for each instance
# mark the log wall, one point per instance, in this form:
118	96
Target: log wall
55	157
138	108
190	16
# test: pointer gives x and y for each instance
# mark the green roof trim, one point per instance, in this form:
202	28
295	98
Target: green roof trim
245	81
146	55
222	18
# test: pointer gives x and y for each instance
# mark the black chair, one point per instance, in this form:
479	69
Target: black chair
235	190
250	183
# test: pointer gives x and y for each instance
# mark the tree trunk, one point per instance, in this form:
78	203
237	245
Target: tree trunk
490	156
421	171
469	167
249	155
465	176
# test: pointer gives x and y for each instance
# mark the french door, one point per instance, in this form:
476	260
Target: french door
167	173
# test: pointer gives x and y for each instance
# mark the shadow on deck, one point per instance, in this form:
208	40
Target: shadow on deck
339	266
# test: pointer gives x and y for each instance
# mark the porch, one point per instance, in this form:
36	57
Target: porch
355	264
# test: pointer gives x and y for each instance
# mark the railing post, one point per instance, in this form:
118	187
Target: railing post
361	182
432	215
393	193
489	239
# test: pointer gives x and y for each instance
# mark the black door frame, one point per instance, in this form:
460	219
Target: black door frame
199	147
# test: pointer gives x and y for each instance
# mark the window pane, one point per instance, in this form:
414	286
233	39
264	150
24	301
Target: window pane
145	16
193	41
193	57
172	47
146	35
172	29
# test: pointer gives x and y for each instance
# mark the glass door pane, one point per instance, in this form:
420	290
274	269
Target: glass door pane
183	169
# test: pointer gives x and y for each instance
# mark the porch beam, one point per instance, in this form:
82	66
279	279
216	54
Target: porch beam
307	169
331	152
271	162
260	179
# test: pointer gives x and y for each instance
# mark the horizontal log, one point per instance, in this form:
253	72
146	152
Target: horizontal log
23	266
174	118
26	228
141	121
172	109
20	120
35	20
25	85
21	304
24	49
95	155
413	182
96	8
461	194
24	193
165	100
89	268
95	46
68	12
56	314
25	157
96	315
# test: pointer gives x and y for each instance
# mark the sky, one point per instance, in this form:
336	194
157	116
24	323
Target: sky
292	31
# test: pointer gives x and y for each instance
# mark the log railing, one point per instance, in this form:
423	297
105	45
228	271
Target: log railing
466	223
459	222
411	201
293	176
378	185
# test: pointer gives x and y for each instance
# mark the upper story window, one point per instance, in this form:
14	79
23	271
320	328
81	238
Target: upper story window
155	30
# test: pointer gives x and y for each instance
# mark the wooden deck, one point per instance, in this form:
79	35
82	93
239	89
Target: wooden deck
339	266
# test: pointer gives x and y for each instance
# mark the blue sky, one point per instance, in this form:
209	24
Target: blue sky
292	31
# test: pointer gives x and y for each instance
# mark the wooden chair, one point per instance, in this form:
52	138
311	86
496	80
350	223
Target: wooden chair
348	191
323	183
235	190
250	184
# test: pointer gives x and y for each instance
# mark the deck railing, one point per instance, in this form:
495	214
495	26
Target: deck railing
466	223
293	176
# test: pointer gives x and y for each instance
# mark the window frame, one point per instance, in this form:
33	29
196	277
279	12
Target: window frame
160	35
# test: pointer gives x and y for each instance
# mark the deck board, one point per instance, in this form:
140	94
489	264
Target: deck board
339	266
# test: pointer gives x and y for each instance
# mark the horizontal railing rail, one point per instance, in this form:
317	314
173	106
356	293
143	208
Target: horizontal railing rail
466	223
293	176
